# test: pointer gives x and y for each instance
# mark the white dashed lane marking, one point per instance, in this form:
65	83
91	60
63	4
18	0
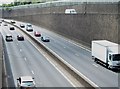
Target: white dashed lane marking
20	50
25	59
32	72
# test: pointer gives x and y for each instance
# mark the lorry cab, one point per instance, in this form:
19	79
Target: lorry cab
114	61
107	53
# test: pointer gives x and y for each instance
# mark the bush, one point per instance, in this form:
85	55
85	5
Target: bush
8	9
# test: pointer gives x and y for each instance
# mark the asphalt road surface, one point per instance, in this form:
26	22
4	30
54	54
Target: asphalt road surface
79	58
22	59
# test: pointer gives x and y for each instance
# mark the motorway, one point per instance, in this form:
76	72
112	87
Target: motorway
24	59
79	58
68	50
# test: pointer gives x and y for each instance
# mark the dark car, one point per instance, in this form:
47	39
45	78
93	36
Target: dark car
37	33
12	28
20	37
9	37
22	25
45	39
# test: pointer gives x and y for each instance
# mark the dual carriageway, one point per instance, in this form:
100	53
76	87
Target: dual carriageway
26	58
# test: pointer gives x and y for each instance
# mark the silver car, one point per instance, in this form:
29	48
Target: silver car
29	27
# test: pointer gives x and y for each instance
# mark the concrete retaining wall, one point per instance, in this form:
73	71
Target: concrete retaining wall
93	21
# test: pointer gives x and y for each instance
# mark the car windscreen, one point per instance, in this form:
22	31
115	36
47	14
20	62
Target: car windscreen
27	82
9	36
29	25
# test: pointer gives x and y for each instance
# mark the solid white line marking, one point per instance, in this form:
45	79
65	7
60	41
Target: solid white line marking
95	65
61	73
79	46
82	75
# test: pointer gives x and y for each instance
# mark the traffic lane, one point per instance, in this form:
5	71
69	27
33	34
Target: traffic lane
72	51
55	83
62	81
60	42
91	70
8	71
40	75
81	60
16	61
16	55
44	72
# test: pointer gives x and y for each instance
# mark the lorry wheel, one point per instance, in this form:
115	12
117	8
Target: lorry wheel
95	60
108	66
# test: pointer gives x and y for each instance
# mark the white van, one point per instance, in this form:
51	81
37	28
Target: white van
25	82
70	11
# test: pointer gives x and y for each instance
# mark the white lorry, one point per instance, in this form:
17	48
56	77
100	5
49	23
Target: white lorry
106	52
